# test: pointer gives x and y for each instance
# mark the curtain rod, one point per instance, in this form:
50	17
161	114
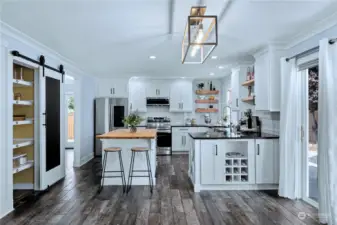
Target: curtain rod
309	51
41	62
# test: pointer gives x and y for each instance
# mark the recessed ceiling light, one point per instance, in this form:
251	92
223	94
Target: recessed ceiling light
214	57
211	74
221	67
152	57
182	77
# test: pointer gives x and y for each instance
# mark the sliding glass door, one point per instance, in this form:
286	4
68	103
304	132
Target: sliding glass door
309	134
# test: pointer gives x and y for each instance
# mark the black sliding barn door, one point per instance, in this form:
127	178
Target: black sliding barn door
53	127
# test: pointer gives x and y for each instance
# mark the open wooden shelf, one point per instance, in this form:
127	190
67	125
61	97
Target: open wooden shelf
18	156
207	92
27	165
249	99
202	101
23	122
22	83
206	110
248	83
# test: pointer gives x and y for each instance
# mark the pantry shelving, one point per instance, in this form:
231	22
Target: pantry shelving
23	131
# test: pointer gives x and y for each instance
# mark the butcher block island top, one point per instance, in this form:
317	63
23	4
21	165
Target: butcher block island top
126	134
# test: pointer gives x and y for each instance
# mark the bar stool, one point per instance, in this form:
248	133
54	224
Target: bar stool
106	151
134	150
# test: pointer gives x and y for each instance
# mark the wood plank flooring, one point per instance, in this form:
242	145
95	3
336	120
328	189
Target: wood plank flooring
75	201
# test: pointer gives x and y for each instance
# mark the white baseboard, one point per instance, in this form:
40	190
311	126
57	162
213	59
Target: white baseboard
86	159
23	186
6	212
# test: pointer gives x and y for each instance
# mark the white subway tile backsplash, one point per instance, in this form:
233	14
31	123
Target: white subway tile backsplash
270	121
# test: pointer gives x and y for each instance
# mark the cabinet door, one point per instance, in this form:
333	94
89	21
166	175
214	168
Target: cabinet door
163	87
177	141
137	97
152	89
261	87
266	162
235	101
104	88
212	162
175	97
119	88
187	96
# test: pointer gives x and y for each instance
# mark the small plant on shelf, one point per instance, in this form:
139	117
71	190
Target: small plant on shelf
133	120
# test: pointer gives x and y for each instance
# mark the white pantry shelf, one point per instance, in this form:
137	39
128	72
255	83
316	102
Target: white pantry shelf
15	157
18	143
22	102
22	83
27	165
23	122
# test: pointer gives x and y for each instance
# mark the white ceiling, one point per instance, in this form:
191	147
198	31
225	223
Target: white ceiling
114	38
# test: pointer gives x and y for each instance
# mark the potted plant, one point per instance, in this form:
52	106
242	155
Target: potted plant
248	114
132	120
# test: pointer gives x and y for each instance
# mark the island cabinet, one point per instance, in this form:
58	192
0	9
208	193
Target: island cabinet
213	166
212	162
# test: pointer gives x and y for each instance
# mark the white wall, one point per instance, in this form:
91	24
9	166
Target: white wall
15	40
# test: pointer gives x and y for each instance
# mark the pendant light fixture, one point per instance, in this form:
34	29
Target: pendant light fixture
200	37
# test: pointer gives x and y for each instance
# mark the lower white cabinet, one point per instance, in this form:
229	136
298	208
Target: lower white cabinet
267	161
212	162
180	138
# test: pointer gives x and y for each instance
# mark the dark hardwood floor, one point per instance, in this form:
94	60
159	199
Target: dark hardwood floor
75	201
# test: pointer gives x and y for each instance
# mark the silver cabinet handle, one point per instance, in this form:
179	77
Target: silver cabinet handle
113	90
159	91
182	105
182	140
110	90
184	137
258	149
237	102
216	149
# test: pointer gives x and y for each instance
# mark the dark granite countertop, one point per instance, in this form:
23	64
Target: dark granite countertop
197	125
222	135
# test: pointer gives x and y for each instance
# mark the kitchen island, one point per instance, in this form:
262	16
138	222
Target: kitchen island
214	166
124	139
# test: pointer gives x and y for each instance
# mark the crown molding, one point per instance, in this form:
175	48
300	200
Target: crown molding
71	68
313	30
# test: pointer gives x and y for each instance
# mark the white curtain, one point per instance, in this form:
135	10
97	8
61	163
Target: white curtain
327	132
290	143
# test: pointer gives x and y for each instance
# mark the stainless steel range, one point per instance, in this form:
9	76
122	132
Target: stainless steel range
164	139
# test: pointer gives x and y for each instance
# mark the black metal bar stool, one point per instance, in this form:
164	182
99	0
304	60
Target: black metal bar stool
106	151
134	150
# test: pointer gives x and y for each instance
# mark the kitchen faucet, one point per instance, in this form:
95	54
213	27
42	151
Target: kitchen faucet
230	117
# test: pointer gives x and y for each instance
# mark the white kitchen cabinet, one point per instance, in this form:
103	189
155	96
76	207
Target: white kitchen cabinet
181	96
158	88
268	79
116	87
180	138
212	162
235	87
267	161
137	96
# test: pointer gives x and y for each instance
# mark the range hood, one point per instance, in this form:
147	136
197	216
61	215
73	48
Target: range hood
157	101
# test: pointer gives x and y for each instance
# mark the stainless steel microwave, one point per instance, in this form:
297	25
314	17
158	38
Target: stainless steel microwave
157	101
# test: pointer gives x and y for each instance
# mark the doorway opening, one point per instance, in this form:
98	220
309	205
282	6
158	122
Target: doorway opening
69	123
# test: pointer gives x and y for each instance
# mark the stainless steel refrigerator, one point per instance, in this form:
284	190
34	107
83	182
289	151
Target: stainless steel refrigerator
108	115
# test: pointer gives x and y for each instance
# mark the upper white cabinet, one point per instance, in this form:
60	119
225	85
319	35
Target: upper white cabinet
158	88
268	79
137	96
235	87
181	96
114	87
267	161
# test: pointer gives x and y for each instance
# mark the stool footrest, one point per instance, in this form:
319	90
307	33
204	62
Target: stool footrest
139	176
140	170
111	176
112	171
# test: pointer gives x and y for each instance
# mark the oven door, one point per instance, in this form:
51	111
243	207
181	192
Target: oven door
164	142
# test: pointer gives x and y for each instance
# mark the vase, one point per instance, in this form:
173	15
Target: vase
249	123
133	129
